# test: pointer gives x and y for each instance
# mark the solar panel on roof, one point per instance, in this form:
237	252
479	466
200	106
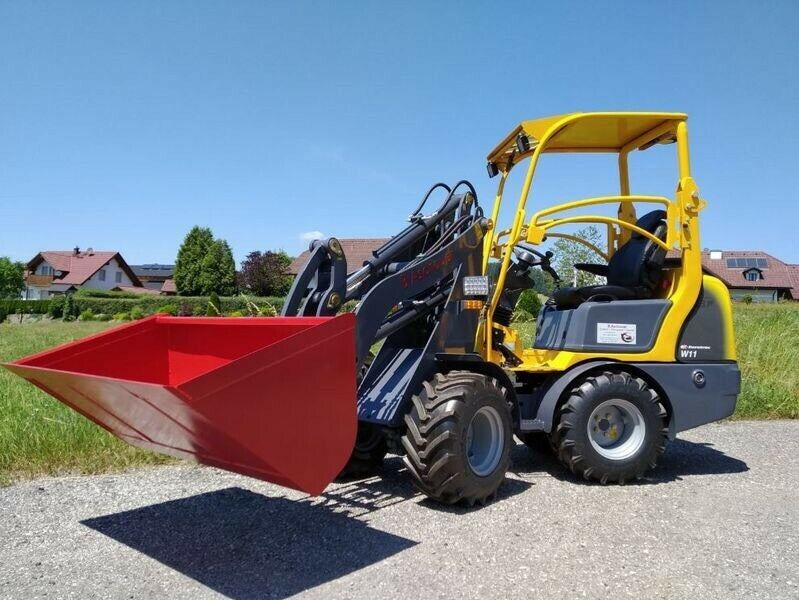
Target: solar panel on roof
731	263
762	263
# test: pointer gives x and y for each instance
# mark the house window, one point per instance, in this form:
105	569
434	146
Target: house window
47	270
753	275
101	275
118	276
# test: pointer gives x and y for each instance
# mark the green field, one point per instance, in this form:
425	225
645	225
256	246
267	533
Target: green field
39	435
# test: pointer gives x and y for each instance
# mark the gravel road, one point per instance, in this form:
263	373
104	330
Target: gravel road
719	518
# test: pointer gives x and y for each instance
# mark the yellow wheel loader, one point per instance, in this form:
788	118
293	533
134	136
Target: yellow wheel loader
615	370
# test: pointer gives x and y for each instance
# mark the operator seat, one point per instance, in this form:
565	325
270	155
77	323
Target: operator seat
633	272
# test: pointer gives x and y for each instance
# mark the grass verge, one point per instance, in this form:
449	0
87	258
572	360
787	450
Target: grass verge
38	434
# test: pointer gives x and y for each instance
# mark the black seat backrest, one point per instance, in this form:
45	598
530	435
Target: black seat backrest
638	263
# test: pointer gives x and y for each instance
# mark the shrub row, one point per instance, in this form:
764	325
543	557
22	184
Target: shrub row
177	305
28	307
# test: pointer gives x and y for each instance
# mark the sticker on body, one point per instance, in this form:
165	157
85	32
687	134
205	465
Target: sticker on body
615	333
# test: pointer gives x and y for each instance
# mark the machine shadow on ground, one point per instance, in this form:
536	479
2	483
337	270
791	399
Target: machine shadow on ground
682	458
392	485
246	545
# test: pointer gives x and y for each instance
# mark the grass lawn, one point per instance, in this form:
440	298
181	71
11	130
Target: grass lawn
40	435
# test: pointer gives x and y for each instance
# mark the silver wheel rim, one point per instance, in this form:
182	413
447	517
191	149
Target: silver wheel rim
485	440
616	429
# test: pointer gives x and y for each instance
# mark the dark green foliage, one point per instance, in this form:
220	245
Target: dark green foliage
136	313
522	316
88	293
70	311
266	273
218	273
56	309
189	262
168	309
214	306
25	307
529	302
204	265
348	306
746	299
12	280
86	315
187	305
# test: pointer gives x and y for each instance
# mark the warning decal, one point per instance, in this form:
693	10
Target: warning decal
615	333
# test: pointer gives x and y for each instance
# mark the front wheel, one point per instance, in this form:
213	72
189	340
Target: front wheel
458	438
612	428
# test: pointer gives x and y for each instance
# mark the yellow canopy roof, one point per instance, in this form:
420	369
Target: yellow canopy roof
585	132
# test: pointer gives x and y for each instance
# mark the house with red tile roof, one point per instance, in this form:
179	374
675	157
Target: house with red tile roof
356	251
753	273
60	271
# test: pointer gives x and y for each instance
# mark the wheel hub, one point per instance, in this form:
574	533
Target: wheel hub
616	429
485	441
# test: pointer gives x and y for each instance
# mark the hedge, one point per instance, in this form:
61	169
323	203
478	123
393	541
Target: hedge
186	305
28	307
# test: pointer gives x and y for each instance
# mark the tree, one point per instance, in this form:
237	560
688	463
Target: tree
188	265
568	253
218	270
204	265
266	273
12	278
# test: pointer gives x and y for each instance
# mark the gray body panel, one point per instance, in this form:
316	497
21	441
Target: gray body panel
691	404
702	336
578	329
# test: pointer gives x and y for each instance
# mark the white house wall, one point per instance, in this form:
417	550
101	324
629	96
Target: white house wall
111	269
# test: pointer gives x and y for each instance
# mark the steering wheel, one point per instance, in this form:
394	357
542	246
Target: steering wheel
526	255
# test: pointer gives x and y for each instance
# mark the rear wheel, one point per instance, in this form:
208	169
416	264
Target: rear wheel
458	439
368	454
611	429
370	442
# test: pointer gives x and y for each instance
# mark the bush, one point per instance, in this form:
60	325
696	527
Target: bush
121	316
348	306
189	305
235	313
267	310
86	315
70	310
168	309
89	293
136	313
56	309
747	299
214	306
522	316
529	302
102	317
25	307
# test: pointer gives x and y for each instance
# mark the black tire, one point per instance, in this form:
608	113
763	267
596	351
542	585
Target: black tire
435	441
539	441
367	455
370	442
571	434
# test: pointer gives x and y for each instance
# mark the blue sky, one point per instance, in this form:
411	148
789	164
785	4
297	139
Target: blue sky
124	124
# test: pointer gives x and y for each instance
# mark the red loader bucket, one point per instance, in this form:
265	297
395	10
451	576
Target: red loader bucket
273	398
